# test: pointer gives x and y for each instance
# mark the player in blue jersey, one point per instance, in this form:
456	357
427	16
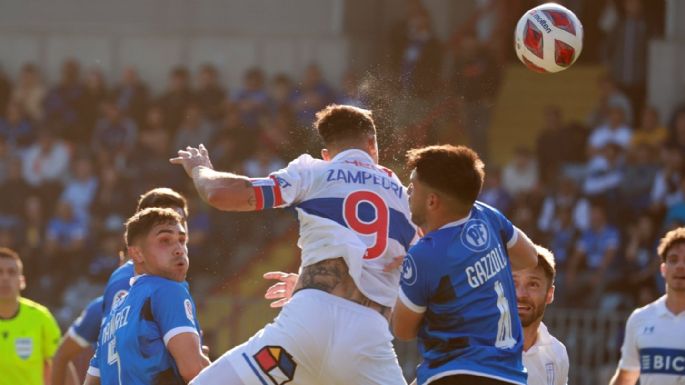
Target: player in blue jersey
457	294
82	334
151	336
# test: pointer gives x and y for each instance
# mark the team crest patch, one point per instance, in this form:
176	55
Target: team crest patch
409	270
475	235
189	310
23	347
119	298
276	363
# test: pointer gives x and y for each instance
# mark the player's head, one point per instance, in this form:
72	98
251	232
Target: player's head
535	287
164	197
672	252
445	180
156	241
11	275
346	127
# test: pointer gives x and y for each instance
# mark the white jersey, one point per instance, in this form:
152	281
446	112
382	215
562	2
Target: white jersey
348	207
654	345
547	360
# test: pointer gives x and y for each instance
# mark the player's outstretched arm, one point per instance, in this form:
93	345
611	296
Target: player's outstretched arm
67	350
405	322
522	253
222	190
625	377
187	352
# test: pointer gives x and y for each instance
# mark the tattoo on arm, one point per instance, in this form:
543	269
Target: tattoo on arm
251	199
325	275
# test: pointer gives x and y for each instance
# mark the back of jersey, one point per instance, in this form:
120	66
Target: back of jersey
352	208
459	276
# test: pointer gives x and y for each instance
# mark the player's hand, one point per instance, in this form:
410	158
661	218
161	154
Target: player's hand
192	157
395	264
280	291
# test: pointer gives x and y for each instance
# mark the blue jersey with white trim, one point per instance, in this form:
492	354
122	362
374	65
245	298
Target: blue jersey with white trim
117	286
347	207
134	335
459	277
86	327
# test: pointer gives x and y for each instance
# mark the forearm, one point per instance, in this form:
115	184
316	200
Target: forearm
624	377
223	190
92	380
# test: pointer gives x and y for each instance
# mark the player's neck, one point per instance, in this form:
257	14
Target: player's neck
530	334
438	221
675	301
8	308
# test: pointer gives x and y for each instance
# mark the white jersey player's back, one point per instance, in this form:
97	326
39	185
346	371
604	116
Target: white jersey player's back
348	207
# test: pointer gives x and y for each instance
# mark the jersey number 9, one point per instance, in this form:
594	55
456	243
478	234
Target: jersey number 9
377	225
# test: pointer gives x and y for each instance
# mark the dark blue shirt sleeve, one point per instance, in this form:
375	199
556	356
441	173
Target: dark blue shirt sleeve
506	228
174	310
414	286
86	327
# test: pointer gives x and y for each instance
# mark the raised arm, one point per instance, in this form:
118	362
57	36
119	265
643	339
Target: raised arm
221	190
522	251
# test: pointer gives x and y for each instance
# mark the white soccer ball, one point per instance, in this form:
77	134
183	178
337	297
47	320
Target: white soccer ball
548	38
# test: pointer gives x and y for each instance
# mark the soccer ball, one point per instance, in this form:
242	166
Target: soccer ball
548	38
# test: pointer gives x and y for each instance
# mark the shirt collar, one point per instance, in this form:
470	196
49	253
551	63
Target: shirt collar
661	309
457	222
353	153
544	338
135	279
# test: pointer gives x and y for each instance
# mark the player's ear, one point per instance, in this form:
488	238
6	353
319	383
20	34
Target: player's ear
135	253
325	154
663	269
550	295
372	148
22	282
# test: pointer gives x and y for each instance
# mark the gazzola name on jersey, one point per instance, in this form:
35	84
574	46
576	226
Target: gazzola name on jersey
486	267
117	321
363	177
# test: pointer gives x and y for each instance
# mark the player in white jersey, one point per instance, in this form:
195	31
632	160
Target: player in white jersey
354	221
654	345
544	356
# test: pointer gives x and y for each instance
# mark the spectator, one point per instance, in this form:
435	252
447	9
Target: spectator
650	132
475	78
605	174
627	52
32	233
13	190
149	162
131	95
80	189
95	94
548	152
30	92
675	216
313	95
264	162
676	136
641	269
16	129
281	93
177	97
589	267
210	94
636	182
494	194
112	201
563	237
521	173
615	131
194	130
609	96
45	164
252	99
114	133
65	238
566	196
667	181
64	103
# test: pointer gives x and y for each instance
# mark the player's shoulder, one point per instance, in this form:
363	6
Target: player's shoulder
95	304
305	161
559	349
125	271
484	209
647	312
33	309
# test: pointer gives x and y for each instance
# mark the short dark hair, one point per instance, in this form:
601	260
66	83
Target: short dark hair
672	238
546	262
455	170
143	221
8	253
163	197
337	123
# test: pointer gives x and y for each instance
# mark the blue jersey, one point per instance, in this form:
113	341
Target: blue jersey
86	328
132	342
459	277
117	287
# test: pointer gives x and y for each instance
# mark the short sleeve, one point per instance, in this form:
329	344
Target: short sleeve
87	326
414	291
630	356
174	311
51	335
284	187
507	229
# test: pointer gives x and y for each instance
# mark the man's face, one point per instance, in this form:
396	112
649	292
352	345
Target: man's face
418	193
533	294
673	269
11	279
164	251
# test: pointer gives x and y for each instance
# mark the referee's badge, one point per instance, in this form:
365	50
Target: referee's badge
23	347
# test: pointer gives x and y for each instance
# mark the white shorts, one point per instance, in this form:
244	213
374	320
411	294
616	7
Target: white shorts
317	339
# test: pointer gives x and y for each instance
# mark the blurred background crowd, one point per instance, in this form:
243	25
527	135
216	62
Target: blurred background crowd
76	151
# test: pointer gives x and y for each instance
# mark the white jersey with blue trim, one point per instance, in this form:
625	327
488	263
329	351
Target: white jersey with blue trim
654	345
347	207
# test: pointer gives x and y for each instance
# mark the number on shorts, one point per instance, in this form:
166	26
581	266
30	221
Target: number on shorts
504	337
379	226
